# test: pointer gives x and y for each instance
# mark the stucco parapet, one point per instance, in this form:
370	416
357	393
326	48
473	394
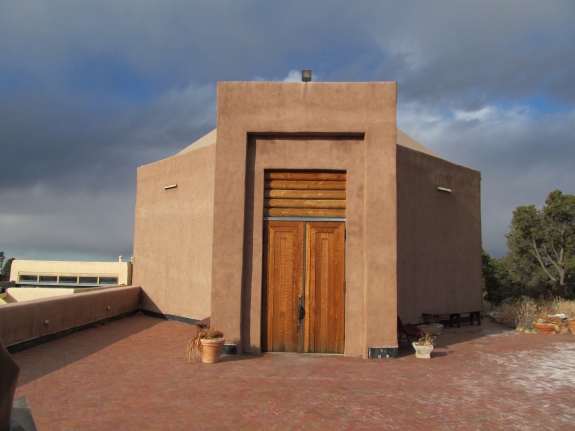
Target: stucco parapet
425	156
72	297
180	156
313	107
21	322
419	156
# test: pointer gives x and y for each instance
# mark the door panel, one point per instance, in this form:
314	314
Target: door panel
324	287
323	294
283	273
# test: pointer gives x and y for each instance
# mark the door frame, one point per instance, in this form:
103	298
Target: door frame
305	220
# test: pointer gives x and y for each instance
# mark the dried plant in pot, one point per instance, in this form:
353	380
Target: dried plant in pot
207	344
547	324
544	327
424	346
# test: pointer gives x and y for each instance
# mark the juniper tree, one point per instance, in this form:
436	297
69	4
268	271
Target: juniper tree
545	239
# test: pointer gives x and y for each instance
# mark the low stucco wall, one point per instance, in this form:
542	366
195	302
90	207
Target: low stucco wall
20	294
23	321
8	381
173	234
439	236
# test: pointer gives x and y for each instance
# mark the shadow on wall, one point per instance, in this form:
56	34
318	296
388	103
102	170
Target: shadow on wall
439	255
78	346
146	303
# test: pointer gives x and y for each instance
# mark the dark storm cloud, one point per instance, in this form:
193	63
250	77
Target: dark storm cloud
91	90
500	50
56	137
46	221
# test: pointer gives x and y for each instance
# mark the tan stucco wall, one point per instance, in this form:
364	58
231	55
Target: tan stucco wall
22	321
439	236
122	270
173	234
255	108
20	294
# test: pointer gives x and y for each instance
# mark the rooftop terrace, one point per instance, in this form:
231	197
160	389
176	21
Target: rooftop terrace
132	374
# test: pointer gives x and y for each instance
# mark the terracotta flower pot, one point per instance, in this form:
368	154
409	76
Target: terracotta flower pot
422	352
571	324
545	328
211	350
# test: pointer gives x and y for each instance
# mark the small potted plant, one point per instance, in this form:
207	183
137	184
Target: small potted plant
548	324
207	344
424	346
544	326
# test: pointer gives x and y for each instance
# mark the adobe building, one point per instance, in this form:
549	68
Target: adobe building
307	222
70	274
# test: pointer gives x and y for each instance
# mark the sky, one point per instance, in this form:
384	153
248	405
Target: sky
90	91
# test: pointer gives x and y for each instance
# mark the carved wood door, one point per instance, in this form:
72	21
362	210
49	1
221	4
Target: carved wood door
304	287
283	271
324	287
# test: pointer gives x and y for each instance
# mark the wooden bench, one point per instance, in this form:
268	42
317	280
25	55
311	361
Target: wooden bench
435	316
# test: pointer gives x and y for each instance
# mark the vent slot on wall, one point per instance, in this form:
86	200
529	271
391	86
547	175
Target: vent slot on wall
304	194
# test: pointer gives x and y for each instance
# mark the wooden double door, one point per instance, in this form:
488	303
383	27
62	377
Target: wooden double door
304	287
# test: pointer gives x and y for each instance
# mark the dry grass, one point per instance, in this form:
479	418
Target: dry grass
427	340
526	314
521	313
562	306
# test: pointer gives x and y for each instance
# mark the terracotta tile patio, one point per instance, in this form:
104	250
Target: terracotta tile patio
133	375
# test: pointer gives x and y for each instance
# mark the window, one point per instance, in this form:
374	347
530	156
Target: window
108	280
49	278
88	280
28	278
68	279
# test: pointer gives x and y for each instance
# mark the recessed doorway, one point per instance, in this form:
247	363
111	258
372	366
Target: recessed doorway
303	307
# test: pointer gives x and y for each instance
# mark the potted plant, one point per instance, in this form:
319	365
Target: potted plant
424	346
544	327
547	324
208	344
553	323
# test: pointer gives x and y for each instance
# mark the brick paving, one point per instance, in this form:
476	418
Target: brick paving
133	375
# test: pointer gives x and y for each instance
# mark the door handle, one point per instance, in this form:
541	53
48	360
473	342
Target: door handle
300	310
